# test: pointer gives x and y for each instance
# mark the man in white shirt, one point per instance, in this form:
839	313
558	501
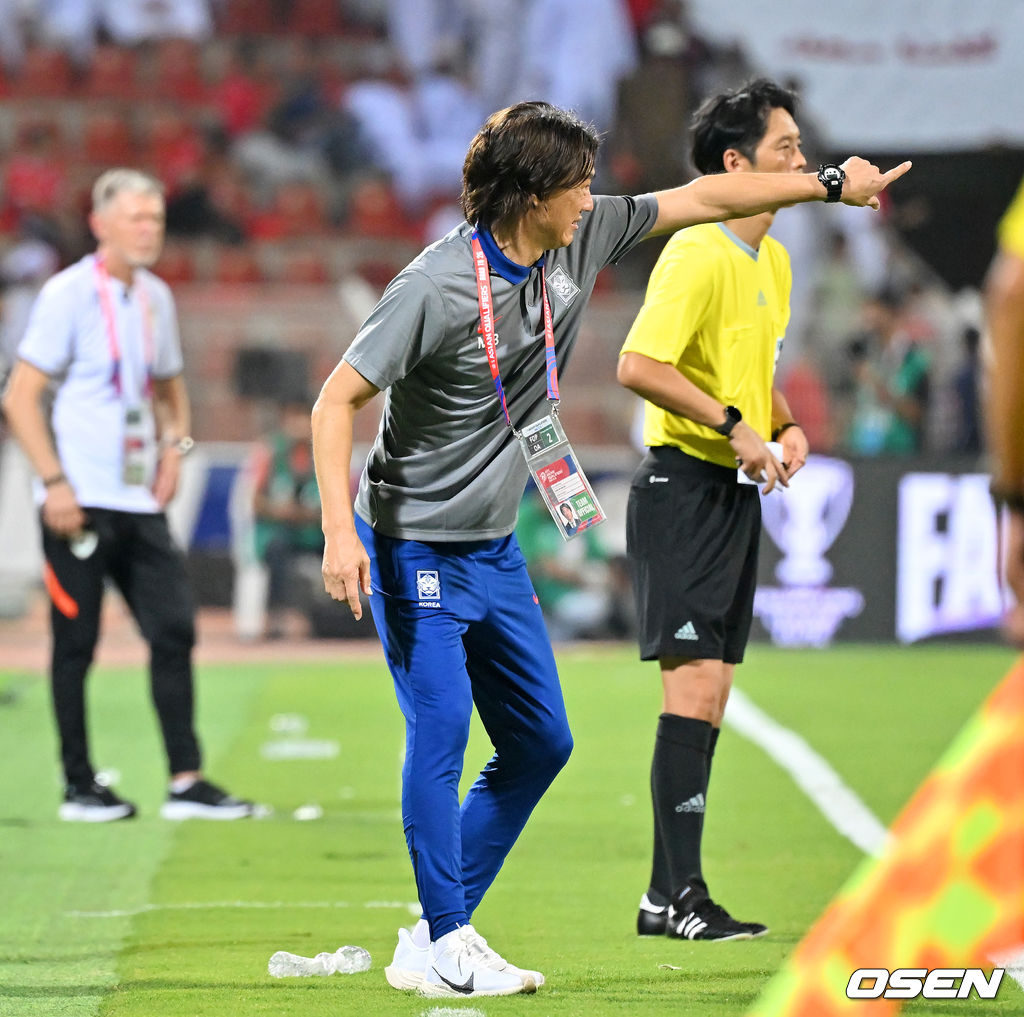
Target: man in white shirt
104	333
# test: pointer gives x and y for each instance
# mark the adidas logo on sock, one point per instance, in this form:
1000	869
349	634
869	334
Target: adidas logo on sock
695	804
687	631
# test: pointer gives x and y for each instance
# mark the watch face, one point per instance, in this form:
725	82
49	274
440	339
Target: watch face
833	173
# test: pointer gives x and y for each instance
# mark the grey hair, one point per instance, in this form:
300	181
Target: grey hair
113	182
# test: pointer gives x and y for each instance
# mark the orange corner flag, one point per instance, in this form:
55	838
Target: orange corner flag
949	890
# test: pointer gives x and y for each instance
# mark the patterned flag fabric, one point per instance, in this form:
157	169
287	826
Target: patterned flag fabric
949	890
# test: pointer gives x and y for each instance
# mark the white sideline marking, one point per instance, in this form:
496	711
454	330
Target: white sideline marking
840	805
810	772
242	904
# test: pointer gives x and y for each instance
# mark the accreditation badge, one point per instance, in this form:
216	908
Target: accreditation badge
137	459
559	477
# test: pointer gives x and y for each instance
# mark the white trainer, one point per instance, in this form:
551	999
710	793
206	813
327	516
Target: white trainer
494	960
456	967
409	965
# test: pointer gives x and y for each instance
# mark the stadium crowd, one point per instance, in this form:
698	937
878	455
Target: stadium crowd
287	133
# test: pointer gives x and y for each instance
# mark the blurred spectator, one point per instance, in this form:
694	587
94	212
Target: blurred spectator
36	178
418	132
966	386
286	505
248	89
578	68
891	382
666	80
210	197
23	270
75	25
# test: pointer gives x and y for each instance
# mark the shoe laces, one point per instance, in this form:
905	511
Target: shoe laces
477	947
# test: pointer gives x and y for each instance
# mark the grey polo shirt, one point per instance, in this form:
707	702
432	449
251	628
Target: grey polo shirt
445	465
67	338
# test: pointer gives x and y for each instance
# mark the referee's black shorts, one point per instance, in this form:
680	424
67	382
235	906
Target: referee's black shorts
692	535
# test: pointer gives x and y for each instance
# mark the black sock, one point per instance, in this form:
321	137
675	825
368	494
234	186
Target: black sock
679	775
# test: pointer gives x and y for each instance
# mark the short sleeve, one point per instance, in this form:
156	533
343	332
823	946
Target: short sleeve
407	325
1011	226
616	225
678	296
49	339
167	358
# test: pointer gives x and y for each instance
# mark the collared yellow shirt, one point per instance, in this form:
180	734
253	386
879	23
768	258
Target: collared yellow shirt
1011	226
717	310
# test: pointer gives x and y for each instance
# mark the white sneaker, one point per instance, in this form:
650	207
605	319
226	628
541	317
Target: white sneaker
456	967
493	960
409	966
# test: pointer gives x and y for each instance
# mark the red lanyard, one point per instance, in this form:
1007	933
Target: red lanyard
107	306
483	289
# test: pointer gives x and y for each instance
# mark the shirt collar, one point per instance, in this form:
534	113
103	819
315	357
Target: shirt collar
509	270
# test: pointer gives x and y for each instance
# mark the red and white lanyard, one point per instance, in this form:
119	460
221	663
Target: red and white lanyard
483	289
109	320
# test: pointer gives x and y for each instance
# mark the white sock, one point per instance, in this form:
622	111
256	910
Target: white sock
421	934
180	784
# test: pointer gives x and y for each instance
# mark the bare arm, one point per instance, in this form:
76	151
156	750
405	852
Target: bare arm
663	385
24	411
1004	297
173	420
722	196
1004	293
346	567
793	440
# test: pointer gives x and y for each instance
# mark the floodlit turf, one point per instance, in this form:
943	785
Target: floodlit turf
151	919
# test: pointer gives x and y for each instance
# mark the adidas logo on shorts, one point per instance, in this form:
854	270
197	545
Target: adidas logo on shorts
687	631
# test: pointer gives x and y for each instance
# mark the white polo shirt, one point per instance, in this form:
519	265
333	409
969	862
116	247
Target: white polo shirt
68	337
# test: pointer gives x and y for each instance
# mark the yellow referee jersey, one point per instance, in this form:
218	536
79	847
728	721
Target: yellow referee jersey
717	310
1011	226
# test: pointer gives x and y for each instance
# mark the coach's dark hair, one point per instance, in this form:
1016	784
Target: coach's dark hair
532	149
736	120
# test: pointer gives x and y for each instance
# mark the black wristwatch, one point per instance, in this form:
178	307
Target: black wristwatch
732	418
832	177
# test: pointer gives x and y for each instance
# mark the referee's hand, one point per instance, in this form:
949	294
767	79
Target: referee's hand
755	459
346	570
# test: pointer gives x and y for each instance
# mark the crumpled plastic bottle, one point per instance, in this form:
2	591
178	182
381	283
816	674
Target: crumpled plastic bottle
346	960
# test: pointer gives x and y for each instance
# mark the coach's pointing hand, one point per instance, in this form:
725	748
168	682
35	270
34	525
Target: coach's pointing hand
346	570
864	180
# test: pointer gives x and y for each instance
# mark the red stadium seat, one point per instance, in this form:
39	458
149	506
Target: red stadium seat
176	264
249	17
112	74
45	74
236	265
107	139
178	73
304	267
315	17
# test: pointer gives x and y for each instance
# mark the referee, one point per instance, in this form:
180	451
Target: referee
702	353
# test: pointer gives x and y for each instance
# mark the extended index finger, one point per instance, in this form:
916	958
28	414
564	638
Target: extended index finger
896	172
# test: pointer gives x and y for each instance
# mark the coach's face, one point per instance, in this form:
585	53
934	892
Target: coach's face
779	149
558	216
130	228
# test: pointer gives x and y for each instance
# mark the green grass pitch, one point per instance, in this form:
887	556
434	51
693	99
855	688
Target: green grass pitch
151	919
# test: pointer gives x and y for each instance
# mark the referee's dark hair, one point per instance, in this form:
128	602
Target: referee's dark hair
530	150
737	120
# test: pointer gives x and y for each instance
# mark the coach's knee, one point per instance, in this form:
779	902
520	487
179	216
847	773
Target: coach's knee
554	746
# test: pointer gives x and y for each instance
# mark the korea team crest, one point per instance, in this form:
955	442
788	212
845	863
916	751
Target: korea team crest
562	286
428	587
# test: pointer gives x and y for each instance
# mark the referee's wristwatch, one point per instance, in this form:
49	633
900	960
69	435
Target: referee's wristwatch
732	418
832	178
